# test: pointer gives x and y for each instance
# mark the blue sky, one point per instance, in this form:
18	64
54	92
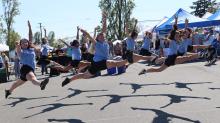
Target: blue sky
62	16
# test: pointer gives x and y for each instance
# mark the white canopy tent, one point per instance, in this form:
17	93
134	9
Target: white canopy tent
4	47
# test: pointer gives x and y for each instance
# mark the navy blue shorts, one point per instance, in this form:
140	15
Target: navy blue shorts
97	67
25	69
75	63
170	60
190	48
145	52
129	56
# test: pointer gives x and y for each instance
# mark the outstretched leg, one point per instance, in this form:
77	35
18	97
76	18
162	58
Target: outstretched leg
182	59
112	63
85	75
137	57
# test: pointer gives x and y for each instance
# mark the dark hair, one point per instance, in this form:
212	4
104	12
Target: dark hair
98	36
175	27
190	31
75	43
172	35
44	40
29	44
133	34
146	33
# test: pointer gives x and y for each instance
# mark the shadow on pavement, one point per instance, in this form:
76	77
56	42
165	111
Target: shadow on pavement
185	85
77	92
173	98
23	99
66	120
214	88
164	117
135	86
52	107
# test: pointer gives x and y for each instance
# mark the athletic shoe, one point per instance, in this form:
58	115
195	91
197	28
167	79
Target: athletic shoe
65	82
213	61
203	54
142	72
74	71
7	93
44	83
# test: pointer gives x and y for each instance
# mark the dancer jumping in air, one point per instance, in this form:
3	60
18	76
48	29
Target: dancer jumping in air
26	51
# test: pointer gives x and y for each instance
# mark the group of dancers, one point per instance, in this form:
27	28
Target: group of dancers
180	50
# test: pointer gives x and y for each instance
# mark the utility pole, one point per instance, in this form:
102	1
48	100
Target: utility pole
40	31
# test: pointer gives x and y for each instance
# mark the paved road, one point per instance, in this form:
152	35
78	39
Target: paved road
181	94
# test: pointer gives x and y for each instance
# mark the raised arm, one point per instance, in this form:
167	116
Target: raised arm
77	35
186	23
175	23
45	32
64	42
104	23
88	35
135	24
95	30
30	32
126	29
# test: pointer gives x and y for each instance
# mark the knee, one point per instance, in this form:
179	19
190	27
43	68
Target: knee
87	75
115	64
81	76
110	64
34	82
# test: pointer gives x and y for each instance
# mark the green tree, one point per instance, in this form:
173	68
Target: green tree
37	38
1	31
10	8
14	36
200	7
118	17
56	43
51	38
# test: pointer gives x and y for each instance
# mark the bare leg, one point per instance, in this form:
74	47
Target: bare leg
85	75
195	47
137	57
31	77
112	63
182	59
190	53
18	83
160	60
62	68
53	64
83	65
161	68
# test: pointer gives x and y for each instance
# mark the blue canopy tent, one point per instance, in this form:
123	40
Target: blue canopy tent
182	15
215	16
